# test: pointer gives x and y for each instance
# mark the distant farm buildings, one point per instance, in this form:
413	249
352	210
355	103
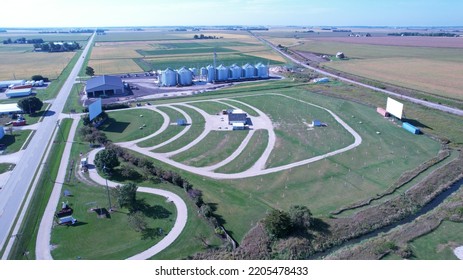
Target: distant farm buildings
104	86
221	74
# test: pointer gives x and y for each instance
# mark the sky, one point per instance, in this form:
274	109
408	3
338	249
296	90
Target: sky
107	13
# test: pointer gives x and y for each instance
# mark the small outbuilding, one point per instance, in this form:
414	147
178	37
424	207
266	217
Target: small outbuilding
181	122
382	112
317	123
340	55
104	86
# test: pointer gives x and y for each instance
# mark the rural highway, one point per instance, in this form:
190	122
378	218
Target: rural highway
15	190
428	104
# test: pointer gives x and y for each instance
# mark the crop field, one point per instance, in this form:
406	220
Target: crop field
439	244
214	148
51	37
413	41
159	50
436	77
427	69
125	125
22	63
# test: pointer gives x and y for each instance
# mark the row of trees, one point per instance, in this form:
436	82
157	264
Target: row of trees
23	41
57	46
281	224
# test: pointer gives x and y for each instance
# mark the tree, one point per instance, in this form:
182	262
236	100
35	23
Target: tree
300	216
127	196
37	78
106	159
30	104
278	223
137	221
89	71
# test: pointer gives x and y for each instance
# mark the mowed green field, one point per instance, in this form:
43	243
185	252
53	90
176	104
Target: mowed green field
440	243
125	125
322	186
167	134
295	140
215	147
431	70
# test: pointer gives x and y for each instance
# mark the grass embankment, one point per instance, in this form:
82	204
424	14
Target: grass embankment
73	103
197	127
27	240
214	148
167	134
15	141
212	108
125	125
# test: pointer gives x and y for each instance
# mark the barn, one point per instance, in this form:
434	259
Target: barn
104	86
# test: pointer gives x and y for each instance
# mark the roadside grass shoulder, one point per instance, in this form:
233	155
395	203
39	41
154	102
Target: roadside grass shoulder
24	247
5	167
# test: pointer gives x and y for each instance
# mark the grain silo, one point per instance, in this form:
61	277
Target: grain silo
235	72
262	71
249	71
168	78
222	73
194	71
203	72
185	77
210	74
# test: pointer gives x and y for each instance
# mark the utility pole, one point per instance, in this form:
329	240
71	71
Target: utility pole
61	132
107	188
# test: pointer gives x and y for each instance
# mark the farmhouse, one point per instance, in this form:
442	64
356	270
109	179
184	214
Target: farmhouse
104	86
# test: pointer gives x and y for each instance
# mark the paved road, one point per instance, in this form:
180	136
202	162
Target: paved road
391	93
15	190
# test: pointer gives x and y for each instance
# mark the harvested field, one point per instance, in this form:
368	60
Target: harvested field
436	77
114	66
415	41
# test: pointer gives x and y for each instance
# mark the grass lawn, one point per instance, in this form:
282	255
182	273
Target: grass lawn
5	167
250	154
212	108
197	127
243	107
167	134
15	141
95	238
73	102
214	148
439	244
125	125
295	141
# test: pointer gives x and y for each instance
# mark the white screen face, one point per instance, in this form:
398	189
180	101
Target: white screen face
394	108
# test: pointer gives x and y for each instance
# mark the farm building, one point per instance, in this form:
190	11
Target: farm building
18	92
262	70
249	71
410	128
222	73
6	84
238	126
237	117
2	132
382	112
104	86
7	109
340	55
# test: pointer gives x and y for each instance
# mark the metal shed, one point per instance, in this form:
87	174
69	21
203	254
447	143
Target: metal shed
104	86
